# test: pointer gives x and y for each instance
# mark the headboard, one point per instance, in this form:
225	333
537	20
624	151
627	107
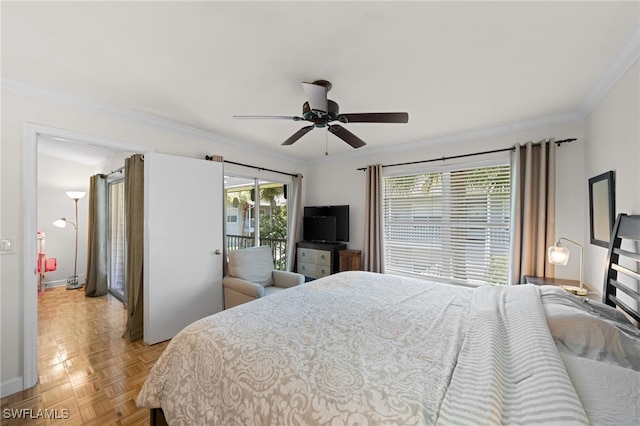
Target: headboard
623	265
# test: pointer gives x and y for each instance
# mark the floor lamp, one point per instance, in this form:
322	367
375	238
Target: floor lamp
72	281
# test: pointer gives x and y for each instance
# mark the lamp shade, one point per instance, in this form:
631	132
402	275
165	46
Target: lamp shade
558	255
76	195
60	223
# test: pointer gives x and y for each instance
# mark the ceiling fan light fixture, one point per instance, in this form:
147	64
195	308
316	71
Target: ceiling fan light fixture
320	117
317	96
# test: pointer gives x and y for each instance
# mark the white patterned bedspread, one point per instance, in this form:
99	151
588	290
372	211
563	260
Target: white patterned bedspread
368	349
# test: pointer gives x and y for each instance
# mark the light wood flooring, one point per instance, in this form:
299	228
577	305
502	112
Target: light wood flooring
88	374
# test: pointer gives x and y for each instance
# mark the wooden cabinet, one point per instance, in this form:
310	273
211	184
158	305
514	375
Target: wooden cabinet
349	260
317	260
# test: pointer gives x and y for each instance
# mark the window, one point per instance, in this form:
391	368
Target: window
449	224
232	215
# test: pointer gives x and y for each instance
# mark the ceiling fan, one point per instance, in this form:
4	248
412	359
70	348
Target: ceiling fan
321	111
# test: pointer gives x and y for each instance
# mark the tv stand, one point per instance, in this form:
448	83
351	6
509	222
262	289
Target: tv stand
316	260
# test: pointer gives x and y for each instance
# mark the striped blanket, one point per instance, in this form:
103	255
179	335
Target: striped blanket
509	370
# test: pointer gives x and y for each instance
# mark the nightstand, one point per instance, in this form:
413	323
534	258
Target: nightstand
349	260
591	294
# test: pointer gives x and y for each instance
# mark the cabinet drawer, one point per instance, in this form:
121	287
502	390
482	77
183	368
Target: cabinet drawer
319	257
313	270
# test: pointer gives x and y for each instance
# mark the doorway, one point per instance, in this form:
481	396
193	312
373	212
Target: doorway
32	134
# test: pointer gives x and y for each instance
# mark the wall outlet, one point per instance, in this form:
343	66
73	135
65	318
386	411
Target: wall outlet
8	245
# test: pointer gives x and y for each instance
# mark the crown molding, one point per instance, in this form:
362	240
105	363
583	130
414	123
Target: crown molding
627	56
90	105
548	121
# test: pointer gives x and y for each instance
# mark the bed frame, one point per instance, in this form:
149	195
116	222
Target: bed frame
622	272
157	417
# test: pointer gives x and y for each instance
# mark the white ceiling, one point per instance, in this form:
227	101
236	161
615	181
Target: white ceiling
74	151
455	67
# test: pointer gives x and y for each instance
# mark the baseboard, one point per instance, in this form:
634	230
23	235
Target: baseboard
57	283
10	387
61	283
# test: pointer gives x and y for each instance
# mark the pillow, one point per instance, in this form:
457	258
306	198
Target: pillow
580	330
253	264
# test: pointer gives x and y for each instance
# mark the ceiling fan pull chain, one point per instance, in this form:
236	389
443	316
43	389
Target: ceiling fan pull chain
326	140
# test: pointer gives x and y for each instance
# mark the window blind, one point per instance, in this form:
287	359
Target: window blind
449	224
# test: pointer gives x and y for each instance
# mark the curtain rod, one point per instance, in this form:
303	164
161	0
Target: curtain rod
207	157
464	155
116	171
121	169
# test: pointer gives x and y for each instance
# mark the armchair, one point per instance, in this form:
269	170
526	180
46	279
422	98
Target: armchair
251	276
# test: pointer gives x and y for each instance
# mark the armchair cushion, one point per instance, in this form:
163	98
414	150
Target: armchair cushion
286	279
253	264
244	287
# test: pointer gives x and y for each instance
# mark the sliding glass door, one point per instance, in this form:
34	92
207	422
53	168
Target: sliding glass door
256	220
116	242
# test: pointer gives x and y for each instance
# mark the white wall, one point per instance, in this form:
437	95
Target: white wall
612	133
55	177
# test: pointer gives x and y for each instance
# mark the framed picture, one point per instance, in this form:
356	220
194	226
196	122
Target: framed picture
602	208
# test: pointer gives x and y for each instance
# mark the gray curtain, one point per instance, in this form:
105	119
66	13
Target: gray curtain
294	219
134	211
97	259
373	253
533	206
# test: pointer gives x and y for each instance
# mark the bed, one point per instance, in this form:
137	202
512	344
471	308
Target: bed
359	348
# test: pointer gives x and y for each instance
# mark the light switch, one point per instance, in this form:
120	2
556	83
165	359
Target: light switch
8	245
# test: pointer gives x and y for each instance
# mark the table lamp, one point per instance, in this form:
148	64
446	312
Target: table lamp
557	254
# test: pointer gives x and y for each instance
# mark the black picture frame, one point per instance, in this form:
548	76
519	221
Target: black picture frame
602	208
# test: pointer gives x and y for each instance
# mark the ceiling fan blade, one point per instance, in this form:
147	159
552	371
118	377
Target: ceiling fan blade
316	96
297	135
268	117
346	136
375	117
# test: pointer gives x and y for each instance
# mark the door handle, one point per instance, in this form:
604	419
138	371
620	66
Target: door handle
218	252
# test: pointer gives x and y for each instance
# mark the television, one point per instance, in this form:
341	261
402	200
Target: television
320	229
326	223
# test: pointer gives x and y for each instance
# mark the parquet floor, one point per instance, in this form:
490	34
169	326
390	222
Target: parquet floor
88	374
